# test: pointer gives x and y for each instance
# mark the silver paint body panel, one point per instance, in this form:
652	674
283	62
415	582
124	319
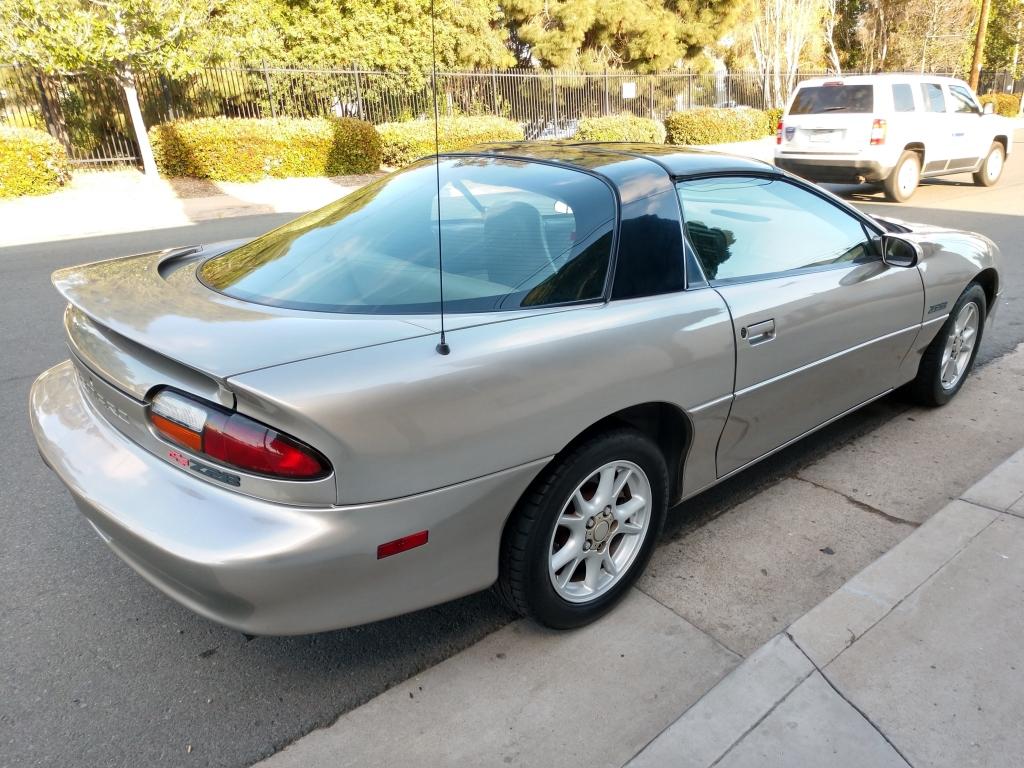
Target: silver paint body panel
445	443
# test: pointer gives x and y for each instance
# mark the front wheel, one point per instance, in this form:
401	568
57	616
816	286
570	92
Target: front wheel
585	531
992	168
950	357
901	183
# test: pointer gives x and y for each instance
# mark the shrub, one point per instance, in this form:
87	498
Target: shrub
32	162
1007	104
405	142
236	149
624	127
772	116
715	126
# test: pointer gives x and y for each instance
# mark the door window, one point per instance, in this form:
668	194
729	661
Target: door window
750	228
902	97
934	101
963	101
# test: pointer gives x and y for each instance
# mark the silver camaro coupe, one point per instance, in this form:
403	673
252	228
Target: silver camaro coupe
281	435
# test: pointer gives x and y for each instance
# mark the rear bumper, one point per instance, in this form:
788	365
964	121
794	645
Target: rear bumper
263	567
836	170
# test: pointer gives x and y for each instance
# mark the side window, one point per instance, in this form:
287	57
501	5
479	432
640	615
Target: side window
963	101
747	227
902	97
934	101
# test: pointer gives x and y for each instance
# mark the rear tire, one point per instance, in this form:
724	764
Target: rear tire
992	166
947	362
587	512
901	184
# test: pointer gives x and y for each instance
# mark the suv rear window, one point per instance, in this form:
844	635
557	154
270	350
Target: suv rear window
820	99
513	234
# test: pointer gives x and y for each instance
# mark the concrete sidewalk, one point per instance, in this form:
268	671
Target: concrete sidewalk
915	661
725	649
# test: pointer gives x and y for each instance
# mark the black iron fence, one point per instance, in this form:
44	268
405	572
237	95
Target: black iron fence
90	115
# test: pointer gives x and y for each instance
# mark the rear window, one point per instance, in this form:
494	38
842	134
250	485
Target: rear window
514	234
819	99
903	97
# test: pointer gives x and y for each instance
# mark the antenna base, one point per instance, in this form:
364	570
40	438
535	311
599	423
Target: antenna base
443	348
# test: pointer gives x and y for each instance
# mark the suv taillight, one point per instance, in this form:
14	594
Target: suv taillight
878	132
232	439
778	133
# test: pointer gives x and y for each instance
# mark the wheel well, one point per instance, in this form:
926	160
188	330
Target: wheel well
666	424
917	146
988	279
1004	141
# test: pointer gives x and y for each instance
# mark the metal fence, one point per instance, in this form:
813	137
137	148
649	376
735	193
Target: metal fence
90	115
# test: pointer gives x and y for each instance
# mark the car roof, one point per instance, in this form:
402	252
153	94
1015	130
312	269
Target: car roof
885	77
600	157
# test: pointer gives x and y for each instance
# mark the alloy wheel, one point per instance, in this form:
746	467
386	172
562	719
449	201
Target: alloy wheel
599	532
956	356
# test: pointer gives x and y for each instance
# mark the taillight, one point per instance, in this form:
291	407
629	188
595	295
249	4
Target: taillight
878	132
778	133
232	438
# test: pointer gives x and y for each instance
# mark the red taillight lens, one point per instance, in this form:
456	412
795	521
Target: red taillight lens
878	132
232	438
778	133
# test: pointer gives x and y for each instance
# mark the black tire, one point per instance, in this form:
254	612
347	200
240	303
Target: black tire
524	583
981	176
891	183
927	387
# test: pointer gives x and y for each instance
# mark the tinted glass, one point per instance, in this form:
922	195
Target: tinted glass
815	100
903	97
651	259
963	101
933	98
752	227
513	234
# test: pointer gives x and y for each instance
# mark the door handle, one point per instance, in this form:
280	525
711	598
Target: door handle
759	333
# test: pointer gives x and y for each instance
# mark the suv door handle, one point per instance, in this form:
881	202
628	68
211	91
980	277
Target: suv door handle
759	333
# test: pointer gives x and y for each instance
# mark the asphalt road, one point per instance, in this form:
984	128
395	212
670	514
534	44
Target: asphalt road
97	668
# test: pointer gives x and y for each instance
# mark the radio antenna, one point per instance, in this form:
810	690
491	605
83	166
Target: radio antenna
442	345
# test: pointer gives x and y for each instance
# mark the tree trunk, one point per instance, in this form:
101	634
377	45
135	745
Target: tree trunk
141	136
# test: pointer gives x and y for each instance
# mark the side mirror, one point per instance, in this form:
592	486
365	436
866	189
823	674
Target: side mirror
899	251
988	109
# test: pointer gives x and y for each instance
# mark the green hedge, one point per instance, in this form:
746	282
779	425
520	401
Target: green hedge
234	149
1007	104
32	162
408	141
715	126
621	128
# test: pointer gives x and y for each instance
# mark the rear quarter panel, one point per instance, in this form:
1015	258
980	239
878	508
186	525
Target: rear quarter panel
399	419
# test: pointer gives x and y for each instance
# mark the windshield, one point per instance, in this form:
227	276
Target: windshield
819	99
514	234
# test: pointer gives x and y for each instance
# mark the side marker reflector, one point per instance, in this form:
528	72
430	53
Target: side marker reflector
411	541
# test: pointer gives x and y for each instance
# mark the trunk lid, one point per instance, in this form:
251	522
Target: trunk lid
829	119
152	306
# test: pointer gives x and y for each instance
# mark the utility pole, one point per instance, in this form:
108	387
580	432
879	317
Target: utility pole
979	44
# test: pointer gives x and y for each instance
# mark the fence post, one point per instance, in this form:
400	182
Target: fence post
689	90
607	107
728	89
270	92
359	92
554	101
494	92
650	80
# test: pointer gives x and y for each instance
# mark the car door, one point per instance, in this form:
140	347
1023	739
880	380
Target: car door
938	128
969	145
820	323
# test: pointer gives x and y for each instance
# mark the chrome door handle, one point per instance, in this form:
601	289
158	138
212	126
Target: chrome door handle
759	333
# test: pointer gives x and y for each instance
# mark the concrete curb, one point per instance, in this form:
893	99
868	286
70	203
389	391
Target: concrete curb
724	716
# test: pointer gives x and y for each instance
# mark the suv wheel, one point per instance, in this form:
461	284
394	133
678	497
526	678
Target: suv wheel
584	532
903	180
992	167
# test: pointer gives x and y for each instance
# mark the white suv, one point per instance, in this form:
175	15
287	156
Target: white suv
896	129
